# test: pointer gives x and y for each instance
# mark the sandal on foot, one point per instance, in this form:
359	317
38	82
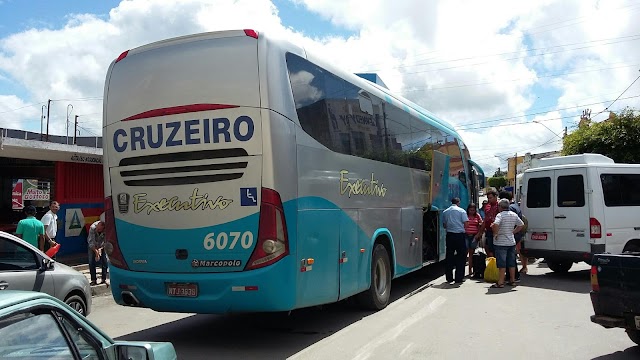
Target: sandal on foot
523	271
497	286
512	283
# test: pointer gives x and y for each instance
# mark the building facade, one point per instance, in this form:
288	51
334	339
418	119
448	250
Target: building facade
34	172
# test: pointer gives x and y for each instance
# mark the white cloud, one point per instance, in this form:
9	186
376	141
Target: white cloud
440	54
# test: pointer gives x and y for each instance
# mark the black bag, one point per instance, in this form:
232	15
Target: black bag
479	264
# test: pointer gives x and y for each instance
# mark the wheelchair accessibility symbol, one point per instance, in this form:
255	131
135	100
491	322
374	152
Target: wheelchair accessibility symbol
249	196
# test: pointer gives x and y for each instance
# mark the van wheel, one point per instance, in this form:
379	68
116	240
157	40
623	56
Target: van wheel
634	335
632	246
559	266
377	296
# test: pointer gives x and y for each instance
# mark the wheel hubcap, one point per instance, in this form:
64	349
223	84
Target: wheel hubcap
380	277
75	305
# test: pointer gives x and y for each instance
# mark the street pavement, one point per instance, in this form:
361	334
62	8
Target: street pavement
545	317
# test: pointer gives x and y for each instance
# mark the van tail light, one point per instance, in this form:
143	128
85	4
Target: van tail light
595	286
111	237
273	242
595	229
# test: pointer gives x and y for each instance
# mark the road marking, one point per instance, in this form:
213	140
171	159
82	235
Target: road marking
393	333
405	349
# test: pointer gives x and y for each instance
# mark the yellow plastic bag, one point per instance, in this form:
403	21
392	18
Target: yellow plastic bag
491	272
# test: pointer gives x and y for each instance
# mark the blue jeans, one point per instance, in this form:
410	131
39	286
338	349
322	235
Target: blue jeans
93	263
505	256
470	241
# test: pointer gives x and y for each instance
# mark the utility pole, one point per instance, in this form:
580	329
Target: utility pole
48	107
67	124
75	130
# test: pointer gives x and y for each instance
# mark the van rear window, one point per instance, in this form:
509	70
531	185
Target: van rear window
621	189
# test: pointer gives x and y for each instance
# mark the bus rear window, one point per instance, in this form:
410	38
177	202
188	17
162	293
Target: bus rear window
621	189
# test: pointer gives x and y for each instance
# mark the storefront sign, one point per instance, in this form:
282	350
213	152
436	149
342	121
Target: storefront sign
29	190
17	202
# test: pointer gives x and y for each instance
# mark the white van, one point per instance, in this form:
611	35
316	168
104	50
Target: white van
580	205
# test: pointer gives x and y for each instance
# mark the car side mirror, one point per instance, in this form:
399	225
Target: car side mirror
142	351
46	265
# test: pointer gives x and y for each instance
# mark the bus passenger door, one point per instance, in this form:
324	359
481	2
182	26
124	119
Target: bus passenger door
349	254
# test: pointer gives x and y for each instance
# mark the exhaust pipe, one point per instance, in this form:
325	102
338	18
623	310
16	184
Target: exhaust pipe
129	298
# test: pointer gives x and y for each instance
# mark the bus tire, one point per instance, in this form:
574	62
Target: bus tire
634	335
378	294
559	266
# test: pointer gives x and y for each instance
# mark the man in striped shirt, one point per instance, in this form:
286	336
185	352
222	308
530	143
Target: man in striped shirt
506	224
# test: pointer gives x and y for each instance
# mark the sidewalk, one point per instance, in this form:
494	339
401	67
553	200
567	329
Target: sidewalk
79	263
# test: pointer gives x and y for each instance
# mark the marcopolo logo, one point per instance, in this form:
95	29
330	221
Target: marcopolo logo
178	133
215	263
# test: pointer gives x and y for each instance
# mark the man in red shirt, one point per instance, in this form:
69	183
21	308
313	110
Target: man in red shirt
490	212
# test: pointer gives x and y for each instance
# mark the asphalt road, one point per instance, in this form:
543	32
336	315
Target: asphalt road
545	317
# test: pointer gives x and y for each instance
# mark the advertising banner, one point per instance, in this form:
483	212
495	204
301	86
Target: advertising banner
29	190
17	203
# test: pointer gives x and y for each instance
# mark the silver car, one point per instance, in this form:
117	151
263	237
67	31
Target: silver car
24	267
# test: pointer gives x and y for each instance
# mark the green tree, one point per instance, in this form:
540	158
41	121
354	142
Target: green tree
499	173
617	137
497	181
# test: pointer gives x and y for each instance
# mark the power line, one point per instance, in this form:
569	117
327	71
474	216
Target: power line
614	101
581	17
24	107
508	59
93	98
426	88
539	113
628	37
579	22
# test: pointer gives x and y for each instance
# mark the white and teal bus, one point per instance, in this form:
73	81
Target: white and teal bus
243	173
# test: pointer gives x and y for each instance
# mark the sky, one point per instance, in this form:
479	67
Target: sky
509	75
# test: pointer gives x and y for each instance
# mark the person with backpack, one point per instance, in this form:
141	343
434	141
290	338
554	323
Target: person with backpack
518	236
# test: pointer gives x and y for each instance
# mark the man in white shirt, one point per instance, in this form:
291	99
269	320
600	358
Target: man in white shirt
50	222
455	219
506	224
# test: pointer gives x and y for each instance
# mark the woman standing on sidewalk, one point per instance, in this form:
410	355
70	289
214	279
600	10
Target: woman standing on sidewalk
471	232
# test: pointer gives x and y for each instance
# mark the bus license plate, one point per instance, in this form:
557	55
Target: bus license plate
182	290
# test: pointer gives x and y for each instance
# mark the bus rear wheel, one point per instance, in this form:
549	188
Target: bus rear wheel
378	294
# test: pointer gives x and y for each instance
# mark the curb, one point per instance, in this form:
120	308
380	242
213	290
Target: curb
100	289
96	290
81	268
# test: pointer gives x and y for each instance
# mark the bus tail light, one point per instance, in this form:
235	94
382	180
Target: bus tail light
595	229
251	33
595	286
111	237
273	242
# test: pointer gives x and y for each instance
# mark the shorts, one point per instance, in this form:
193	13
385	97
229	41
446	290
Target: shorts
470	241
505	256
488	241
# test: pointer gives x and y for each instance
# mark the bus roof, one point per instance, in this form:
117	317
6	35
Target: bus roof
287	45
